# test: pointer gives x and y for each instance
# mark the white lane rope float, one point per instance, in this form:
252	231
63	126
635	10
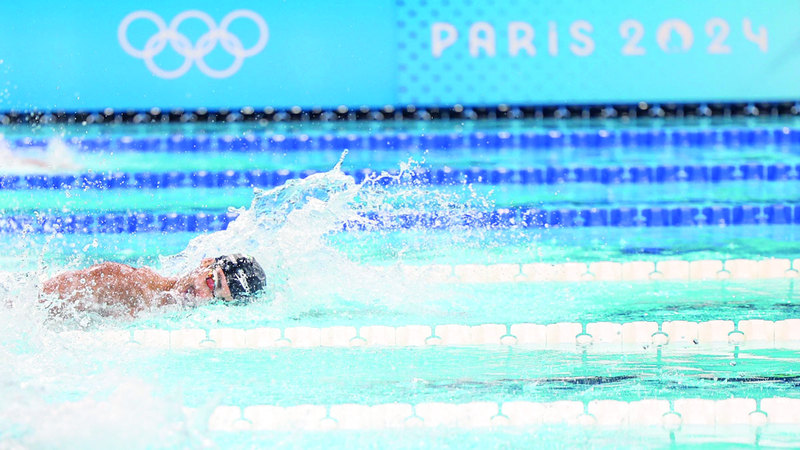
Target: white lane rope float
671	415
700	270
602	336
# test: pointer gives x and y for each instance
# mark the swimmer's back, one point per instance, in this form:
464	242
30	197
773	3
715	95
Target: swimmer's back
108	284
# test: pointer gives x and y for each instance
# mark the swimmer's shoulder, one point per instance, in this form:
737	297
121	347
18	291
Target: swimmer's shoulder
111	268
125	272
69	281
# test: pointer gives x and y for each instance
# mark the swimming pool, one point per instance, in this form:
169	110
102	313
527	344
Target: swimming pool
470	284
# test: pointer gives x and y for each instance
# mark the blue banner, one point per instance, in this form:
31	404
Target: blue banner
55	55
598	51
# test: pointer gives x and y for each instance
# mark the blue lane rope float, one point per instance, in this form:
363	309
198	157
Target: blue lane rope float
115	223
545	139
520	217
444	176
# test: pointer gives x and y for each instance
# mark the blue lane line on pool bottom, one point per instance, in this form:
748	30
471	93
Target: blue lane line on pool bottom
602	138
521	217
445	176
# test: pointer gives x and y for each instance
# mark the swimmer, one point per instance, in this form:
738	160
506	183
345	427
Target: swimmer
111	288
57	156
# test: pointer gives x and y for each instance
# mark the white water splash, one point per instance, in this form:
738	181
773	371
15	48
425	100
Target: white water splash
60	391
287	229
56	157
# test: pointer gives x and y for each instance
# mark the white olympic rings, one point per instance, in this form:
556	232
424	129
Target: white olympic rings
193	53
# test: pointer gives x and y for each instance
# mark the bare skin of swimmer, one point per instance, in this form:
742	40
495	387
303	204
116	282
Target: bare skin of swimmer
132	289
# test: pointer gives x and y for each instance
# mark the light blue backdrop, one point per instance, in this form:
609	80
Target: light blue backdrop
56	55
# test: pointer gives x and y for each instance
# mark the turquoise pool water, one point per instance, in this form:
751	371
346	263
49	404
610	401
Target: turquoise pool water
338	253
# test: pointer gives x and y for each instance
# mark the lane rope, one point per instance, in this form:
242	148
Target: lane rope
515	218
481	139
594	336
446	176
672	415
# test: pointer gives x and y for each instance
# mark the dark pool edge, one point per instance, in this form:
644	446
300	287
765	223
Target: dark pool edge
635	110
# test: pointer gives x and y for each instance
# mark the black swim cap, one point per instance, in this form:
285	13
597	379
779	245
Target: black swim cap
244	274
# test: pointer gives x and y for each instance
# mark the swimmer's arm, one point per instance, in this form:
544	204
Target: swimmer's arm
109	283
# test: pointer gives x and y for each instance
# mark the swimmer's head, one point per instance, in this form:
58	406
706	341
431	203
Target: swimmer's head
244	275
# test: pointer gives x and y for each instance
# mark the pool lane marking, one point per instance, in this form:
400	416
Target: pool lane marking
567	336
505	218
699	270
672	415
420	138
533	176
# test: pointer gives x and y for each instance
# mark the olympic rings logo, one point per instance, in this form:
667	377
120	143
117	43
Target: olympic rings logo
193	53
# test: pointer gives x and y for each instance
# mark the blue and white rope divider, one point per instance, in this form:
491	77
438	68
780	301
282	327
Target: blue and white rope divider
672	415
133	222
443	177
517	217
599	336
655	137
